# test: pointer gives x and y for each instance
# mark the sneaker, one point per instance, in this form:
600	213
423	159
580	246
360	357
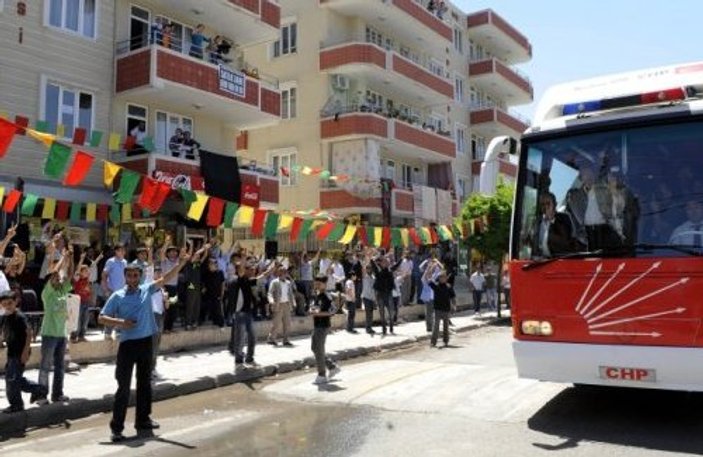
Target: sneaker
60	399
156	376
41	400
251	364
117	437
352	331
13	409
288	344
370	331
333	372
82	339
320	380
239	367
272	343
147	425
36	397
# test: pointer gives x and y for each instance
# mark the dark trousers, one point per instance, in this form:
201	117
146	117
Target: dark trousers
385	309
193	298
130	353
172	310
443	318
319	337
212	309
477	300
506	294
16	383
351	315
368	310
243	324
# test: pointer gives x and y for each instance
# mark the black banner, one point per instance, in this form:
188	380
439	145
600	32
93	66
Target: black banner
221	176
386	200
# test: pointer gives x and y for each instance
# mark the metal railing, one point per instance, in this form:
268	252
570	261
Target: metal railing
512	68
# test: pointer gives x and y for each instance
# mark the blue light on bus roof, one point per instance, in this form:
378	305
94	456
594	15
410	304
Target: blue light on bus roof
582	107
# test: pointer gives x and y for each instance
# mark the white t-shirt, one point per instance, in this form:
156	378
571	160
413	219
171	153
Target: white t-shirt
285	291
478	281
349	291
157	302
4	285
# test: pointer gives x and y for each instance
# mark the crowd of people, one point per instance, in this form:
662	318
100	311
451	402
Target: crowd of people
438	8
160	290
215	49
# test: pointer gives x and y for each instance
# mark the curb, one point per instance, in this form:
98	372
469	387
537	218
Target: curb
56	413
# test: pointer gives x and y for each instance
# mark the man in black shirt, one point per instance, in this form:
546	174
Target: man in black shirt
240	298
213	292
17	334
383	286
322	309
444	300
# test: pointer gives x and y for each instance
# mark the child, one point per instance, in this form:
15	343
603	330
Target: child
444	303
81	286
159	305
368	295
17	335
350	298
321	310
397	287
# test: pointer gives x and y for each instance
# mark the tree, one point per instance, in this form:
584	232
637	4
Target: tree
489	217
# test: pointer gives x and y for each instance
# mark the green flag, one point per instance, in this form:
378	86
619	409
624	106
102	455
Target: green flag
188	196
57	160
129	181
42	126
396	237
305	229
95	138
76	209
230	212
115	214
337	232
29	204
271	226
148	143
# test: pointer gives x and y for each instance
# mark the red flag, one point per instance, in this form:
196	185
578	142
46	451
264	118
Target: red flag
149	188
82	162
79	135
129	142
386	237
62	209
136	210
434	236
257	225
295	229
215	211
102	213
163	190
325	231
414	236
361	235
7	133
22	124
11	201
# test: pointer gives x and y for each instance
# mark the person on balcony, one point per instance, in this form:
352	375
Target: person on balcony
197	42
175	144
190	146
166	35
139	134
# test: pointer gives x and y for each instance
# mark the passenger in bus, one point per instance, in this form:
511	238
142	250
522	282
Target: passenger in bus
690	233
625	208
555	231
657	228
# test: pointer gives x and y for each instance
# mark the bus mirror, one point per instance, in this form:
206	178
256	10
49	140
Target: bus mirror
513	146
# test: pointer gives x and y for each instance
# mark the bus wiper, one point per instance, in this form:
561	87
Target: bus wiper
570	255
690	249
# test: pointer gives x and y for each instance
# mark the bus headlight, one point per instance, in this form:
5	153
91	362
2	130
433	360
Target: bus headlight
537	328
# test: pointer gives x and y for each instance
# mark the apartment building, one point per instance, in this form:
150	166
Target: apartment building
495	86
382	90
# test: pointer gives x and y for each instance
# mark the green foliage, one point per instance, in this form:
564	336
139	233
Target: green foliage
493	240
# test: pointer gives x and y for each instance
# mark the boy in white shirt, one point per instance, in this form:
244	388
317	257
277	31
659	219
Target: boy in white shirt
159	304
350	298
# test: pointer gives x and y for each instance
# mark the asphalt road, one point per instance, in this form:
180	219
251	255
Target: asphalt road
460	401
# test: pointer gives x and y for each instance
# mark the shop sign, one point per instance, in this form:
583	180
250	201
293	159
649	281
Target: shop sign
180	181
251	194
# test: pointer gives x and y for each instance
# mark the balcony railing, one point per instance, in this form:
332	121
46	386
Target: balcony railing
365	107
510	112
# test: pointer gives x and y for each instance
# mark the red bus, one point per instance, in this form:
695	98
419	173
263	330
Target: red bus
607	237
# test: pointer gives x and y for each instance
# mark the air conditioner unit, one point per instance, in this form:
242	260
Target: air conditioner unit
340	82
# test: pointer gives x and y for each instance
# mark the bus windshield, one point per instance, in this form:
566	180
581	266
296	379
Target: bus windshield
626	193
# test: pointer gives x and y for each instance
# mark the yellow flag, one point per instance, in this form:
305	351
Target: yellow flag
2	193
90	212
377	236
285	222
405	237
49	208
113	143
246	215
61	131
46	138
447	231
126	212
4	115
110	170
198	206
348	234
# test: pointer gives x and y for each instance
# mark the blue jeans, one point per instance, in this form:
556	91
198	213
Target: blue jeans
477	300
243	322
83	317
53	350
16	383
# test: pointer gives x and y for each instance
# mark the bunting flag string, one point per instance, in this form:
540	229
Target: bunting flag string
82	162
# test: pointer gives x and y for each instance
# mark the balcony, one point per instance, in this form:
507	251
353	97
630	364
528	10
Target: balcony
406	19
505	168
492	31
343	202
160	76
490	122
399	77
506	83
405	139
184	173
246	21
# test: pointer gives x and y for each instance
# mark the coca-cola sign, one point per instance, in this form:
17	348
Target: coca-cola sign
251	194
180	181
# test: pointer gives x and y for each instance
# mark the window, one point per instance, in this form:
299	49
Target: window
462	187
460	138
285	159
459	89
418	176
478	147
180	34
374	99
77	16
289	101
436	122
69	107
288	42
436	68
406	179
166	125
374	36
136	114
388	168
458	41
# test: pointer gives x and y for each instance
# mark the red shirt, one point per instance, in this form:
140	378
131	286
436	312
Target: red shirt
81	287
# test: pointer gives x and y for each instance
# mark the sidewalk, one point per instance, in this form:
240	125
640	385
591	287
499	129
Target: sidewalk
91	389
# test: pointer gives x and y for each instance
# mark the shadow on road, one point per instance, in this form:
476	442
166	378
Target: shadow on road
650	419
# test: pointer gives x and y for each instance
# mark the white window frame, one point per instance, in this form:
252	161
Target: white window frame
438	121
286	89
460	140
462	192
374	36
284	181
458	40
406	175
436	67
185	46
168	118
127	116
277	46
45	81
459	84
386	165
81	18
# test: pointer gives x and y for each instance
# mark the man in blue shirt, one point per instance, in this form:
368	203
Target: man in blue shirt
129	310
